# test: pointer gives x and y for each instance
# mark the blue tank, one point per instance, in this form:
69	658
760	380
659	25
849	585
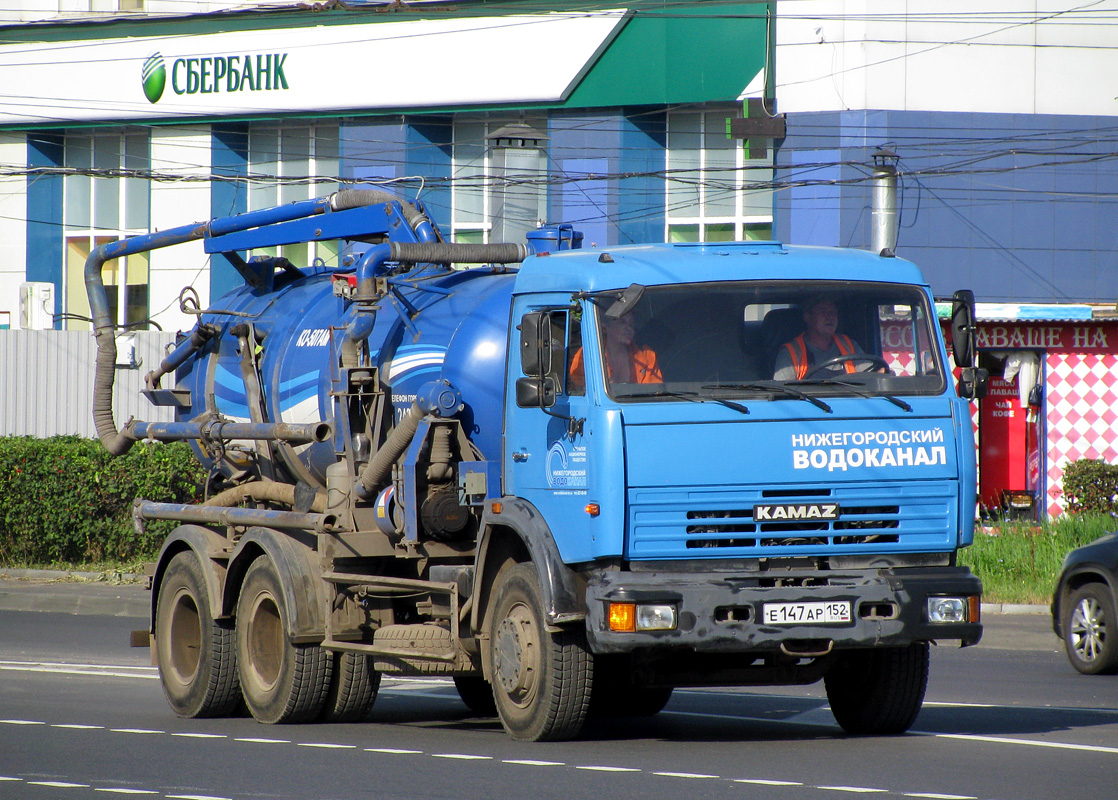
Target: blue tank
459	333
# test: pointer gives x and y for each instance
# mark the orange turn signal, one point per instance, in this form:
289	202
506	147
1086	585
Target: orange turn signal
593	509
623	617
496	507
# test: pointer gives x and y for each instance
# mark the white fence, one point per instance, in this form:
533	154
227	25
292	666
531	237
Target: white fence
46	381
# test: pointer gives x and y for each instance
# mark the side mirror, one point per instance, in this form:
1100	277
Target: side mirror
963	329
535	329
974	382
536	392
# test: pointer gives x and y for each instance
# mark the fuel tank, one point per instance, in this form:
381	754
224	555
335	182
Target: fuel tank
438	323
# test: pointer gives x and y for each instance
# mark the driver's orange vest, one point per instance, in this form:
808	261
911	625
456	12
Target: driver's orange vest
797	348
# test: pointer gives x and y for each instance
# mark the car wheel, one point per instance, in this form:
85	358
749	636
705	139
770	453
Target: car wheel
1090	629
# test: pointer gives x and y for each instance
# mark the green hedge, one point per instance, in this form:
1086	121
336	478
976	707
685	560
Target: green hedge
65	499
1090	486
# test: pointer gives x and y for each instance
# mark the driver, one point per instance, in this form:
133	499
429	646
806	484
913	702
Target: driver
817	345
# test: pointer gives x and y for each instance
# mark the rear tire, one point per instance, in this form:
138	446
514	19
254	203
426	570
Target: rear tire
197	656
353	689
541	679
1091	630
879	691
281	682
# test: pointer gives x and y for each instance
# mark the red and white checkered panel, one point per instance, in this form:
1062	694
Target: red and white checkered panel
1082	405
901	362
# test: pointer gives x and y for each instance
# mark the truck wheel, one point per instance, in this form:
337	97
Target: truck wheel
878	691
1091	630
541	679
353	689
281	682
615	695
477	694
197	655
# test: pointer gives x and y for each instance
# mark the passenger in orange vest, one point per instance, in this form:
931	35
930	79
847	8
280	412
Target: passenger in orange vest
626	361
818	344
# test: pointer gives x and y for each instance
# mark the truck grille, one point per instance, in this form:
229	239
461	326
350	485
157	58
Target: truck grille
712	523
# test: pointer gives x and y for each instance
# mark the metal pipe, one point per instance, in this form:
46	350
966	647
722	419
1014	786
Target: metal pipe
380	465
884	212
432	253
238	517
264	491
201	334
218	429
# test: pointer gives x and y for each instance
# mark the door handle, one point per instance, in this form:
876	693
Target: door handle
520	456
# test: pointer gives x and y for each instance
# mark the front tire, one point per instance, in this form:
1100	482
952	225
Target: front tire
281	682
541	679
878	691
196	654
1091	630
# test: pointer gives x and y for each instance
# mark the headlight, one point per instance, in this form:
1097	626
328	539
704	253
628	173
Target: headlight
953	609
629	617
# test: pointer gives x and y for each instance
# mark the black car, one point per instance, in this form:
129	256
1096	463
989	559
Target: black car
1083	607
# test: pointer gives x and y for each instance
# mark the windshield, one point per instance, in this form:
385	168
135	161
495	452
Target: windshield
780	339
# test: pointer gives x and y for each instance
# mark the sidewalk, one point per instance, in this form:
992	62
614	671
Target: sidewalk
83	593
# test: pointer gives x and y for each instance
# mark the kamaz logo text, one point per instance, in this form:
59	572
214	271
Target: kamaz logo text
769	513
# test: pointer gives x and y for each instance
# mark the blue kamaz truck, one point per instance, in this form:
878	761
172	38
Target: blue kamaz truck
566	478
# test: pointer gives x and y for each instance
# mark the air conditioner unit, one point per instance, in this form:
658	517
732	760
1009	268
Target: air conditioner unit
36	306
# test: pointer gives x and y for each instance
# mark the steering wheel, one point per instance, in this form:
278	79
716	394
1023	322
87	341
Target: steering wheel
867	363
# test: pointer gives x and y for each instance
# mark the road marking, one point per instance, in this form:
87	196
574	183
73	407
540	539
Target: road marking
684	775
22	722
121	790
201	735
462	756
764	782
80	727
328	745
6	778
134	730
854	789
253	740
935	796
609	769
100	670
393	751
59	784
531	763
195	797
1029	742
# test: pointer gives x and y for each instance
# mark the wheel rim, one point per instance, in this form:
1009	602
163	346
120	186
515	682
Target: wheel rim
518	653
1088	629
184	638
265	642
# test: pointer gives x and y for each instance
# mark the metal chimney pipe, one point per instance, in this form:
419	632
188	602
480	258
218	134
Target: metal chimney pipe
884	213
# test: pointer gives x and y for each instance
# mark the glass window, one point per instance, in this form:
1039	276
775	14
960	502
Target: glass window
714	191
743	339
102	204
289	163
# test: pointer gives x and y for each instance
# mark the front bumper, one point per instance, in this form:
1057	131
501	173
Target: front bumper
722	612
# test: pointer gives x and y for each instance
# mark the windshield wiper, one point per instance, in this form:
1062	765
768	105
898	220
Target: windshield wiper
773	386
693	397
860	390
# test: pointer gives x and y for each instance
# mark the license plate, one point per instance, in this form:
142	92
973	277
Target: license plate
806	613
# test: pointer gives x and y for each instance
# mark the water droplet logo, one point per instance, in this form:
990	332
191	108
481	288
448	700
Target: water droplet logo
154	77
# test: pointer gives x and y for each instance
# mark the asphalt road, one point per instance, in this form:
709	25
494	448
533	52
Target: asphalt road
82	716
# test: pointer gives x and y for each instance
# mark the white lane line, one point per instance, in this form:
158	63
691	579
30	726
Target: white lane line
253	740
392	751
195	797
328	745
854	789
462	756
201	735
1028	742
684	775
122	790
134	730
99	670
22	722
594	768
528	762
6	778
59	784
937	796
76	727
764	782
